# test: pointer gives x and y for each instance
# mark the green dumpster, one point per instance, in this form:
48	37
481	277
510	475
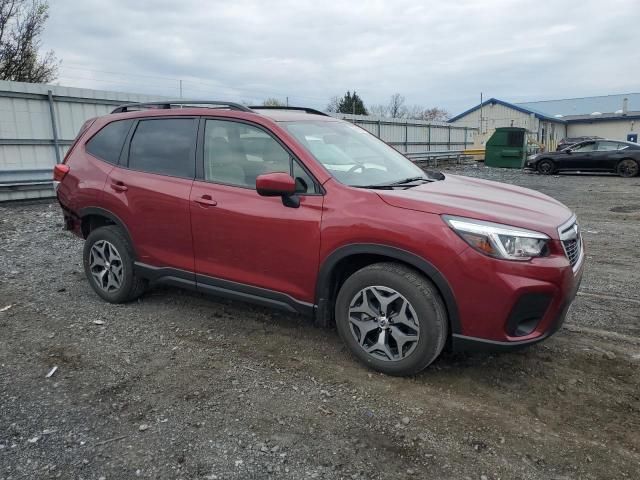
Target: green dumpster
507	148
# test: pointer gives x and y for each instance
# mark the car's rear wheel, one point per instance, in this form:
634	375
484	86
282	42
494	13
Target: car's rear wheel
628	168
546	167
392	318
108	264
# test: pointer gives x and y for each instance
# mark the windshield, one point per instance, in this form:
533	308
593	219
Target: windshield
352	155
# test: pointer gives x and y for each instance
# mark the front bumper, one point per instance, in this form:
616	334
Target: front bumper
508	305
461	342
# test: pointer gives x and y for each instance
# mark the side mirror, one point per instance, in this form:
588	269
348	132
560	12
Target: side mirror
568	150
278	184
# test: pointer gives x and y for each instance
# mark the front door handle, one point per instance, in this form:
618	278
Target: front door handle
206	201
119	186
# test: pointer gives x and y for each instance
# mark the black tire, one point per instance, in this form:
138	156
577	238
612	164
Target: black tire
627	167
131	285
546	167
424	299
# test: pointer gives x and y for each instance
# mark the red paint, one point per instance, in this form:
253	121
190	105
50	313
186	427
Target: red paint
235	234
275	184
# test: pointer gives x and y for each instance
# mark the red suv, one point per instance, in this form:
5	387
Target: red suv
294	209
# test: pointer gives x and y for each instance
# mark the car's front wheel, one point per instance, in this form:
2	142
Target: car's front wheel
628	168
108	264
392	318
546	167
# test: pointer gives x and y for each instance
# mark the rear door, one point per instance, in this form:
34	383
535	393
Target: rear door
608	154
149	190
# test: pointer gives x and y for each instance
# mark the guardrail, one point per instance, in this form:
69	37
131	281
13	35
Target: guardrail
431	159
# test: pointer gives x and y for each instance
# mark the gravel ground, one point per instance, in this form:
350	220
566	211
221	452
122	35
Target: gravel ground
178	385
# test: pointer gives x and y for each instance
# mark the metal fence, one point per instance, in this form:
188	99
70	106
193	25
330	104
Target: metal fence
413	136
39	122
37	126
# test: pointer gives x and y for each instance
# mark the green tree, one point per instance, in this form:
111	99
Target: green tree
352	103
21	23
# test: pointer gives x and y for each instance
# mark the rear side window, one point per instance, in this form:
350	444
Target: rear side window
107	143
164	146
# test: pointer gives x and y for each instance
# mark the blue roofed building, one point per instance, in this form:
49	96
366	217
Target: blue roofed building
549	121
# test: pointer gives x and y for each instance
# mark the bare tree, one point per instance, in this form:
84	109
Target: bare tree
21	23
379	110
396	107
273	102
334	103
436	114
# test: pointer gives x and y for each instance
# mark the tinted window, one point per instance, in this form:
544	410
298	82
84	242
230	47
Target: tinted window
584	147
608	146
236	153
107	143
164	146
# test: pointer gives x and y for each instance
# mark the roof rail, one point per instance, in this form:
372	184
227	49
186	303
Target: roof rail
168	104
300	109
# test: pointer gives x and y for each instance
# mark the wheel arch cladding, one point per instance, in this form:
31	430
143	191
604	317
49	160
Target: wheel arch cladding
349	258
95	217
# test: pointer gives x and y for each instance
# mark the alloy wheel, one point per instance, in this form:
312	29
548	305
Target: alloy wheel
628	168
545	167
384	323
105	264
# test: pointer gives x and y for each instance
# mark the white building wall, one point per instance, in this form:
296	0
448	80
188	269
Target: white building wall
497	115
614	129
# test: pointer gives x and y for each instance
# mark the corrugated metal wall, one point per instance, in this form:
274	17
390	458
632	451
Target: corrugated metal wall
27	146
29	112
415	135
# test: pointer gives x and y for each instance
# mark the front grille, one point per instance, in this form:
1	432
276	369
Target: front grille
571	241
572	249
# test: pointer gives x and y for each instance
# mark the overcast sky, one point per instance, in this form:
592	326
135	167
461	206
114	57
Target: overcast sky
435	53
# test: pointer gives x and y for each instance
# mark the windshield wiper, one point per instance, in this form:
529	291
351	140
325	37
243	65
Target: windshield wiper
410	180
391	185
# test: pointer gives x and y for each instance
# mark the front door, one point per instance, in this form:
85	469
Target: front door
241	237
580	157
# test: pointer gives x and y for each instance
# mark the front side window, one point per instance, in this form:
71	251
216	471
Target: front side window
164	146
584	147
236	153
108	142
352	155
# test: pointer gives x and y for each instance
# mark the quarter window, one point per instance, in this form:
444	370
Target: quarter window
107	143
236	153
164	146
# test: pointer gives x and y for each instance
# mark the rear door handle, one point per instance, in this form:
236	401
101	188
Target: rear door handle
206	201
119	186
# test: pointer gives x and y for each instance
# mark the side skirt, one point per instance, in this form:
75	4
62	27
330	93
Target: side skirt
224	288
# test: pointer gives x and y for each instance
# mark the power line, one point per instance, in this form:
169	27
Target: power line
186	82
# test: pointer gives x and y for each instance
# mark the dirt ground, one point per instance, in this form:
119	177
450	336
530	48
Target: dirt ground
178	385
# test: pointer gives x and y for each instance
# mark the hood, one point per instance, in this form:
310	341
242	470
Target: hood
483	200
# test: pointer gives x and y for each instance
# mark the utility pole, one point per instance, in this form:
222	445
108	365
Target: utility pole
287	101
480	130
180	88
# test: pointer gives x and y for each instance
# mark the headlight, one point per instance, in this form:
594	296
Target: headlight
499	241
532	157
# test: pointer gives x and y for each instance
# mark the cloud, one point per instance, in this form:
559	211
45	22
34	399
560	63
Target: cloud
435	53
